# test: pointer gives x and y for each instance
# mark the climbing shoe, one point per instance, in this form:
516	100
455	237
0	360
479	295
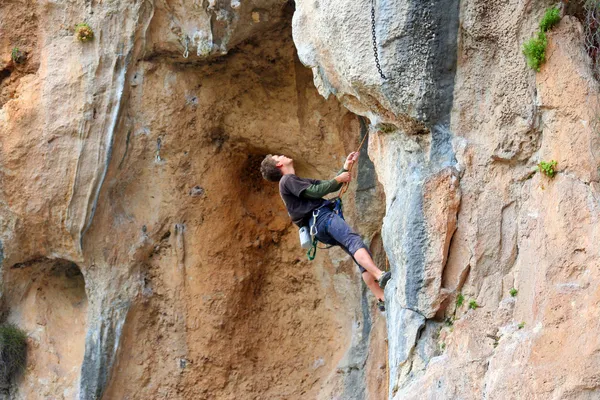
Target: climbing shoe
381	305
384	279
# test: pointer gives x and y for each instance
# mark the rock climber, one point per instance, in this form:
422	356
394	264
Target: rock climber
303	196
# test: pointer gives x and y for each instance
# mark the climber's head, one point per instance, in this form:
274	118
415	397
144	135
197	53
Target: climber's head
271	167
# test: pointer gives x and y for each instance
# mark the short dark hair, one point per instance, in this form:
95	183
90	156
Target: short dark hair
269	170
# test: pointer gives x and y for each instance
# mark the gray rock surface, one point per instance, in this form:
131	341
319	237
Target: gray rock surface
417	52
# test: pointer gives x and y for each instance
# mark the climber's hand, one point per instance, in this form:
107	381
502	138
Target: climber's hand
352	157
343	177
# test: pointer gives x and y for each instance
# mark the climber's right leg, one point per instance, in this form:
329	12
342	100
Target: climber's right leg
373	285
351	241
346	237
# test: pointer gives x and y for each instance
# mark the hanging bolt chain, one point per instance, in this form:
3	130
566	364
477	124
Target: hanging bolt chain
375	40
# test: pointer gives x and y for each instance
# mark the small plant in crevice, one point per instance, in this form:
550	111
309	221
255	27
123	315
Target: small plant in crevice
460	299
535	48
473	305
83	32
513	292
550	19
496	340
13	352
521	325
547	168
18	56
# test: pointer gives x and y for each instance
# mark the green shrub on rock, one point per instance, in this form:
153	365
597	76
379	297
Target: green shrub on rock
13	352
83	32
18	56
550	18
548	168
535	48
535	51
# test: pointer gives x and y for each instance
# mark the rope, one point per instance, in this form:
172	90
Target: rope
346	184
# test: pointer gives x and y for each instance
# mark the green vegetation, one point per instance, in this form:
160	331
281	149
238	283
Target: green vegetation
550	19
547	168
387	128
83	32
535	48
460	299
521	325
13	352
535	51
513	292
17	56
443	346
473	305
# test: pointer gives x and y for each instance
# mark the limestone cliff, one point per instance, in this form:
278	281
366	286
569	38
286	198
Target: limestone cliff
146	258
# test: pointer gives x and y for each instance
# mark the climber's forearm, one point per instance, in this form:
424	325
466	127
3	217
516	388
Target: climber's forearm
318	190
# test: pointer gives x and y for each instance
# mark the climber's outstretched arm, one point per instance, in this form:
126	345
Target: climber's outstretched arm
318	190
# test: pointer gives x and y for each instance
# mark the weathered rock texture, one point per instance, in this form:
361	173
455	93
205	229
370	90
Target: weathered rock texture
465	210
137	168
146	257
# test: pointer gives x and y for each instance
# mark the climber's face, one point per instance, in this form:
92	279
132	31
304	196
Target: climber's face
282	161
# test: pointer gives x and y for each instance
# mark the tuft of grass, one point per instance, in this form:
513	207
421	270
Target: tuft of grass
13	352
550	19
473	305
547	168
535	51
521	325
460	299
387	128
513	292
18	56
535	48
83	32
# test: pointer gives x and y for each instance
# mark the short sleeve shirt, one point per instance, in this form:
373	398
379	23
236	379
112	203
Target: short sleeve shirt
290	189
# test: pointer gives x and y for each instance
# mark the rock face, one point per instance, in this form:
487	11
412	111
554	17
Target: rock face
146	257
466	212
136	169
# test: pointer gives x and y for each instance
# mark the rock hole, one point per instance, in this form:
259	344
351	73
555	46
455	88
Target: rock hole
5	73
47	299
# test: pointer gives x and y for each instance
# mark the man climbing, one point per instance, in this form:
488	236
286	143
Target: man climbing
303	199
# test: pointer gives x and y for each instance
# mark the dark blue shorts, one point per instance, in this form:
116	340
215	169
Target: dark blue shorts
338	233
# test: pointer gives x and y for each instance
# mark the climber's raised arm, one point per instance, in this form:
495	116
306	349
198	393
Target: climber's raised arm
323	188
318	190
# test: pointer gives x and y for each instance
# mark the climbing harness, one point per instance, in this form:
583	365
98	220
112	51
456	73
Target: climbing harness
337	207
312	251
375	40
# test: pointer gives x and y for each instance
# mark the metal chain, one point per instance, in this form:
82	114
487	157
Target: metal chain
375	40
186	53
